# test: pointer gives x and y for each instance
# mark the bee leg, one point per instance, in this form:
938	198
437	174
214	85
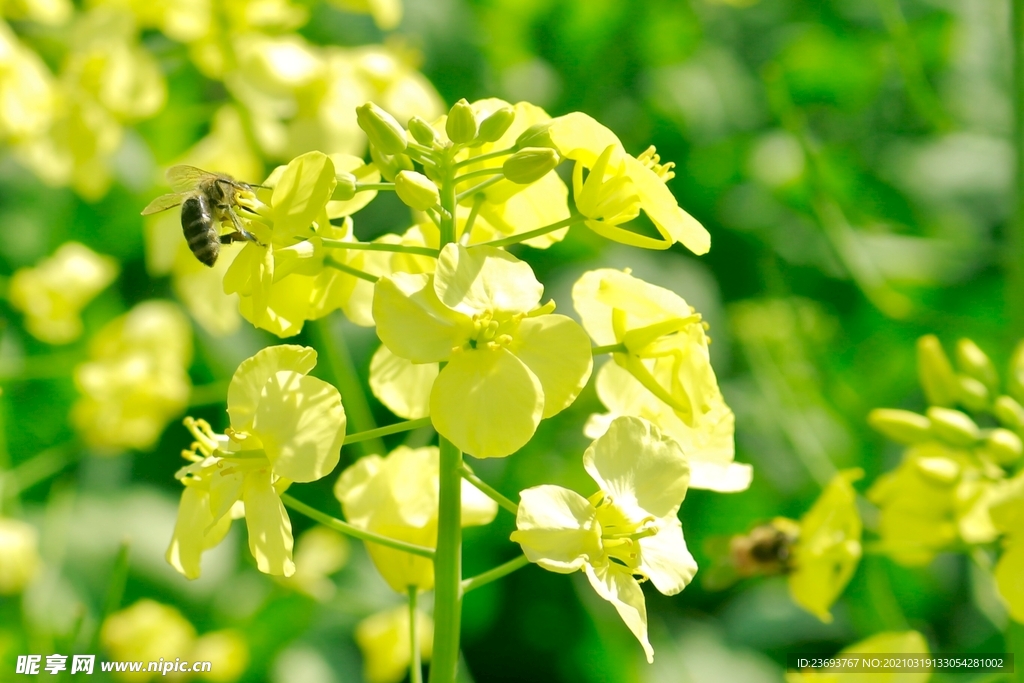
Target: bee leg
240	232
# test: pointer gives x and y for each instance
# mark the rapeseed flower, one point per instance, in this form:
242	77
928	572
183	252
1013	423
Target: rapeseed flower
509	361
627	532
136	379
285	427
53	293
397	496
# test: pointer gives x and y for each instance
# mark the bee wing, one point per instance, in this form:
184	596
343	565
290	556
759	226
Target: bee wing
164	202
183	178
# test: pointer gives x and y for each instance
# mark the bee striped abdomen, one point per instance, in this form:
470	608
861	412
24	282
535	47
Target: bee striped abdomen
200	230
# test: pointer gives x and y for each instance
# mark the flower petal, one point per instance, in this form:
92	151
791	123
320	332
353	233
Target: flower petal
413	323
486	402
301	422
662	208
1008	573
557	350
302	192
557	528
476	279
193	532
665	559
828	549
246	386
616	585
639	467
270	529
401	385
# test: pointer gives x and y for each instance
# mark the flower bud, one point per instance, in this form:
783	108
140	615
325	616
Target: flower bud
496	125
530	164
954	427
422	131
385	133
461	125
935	372
537	135
1008	412
1003	446
972	394
416	190
900	425
390	165
346	187
973	362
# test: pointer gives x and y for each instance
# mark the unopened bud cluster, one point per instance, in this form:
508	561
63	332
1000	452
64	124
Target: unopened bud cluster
963	393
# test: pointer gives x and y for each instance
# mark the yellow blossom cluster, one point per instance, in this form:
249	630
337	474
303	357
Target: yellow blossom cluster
958	482
149	631
136	379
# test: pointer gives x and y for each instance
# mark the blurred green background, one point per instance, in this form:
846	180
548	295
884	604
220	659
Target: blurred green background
853	162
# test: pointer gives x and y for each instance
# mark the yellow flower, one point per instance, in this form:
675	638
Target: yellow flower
383	639
397	497
54	292
828	550
627	529
28	93
510	362
937	495
619	186
136	379
283	281
666	348
401	385
19	555
709	448
1008	516
881	644
149	631
319	552
285	427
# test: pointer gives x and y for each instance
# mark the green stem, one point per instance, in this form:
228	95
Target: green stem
1015	643
477	188
406	426
1015	259
208	394
501	571
39	468
366	187
448	559
415	665
467	230
479	173
354	531
49	366
346	378
448	568
920	93
355	272
523	236
609	348
115	589
488	490
380	246
485	157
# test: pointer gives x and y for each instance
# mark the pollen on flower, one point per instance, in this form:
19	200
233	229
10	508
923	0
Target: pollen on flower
651	160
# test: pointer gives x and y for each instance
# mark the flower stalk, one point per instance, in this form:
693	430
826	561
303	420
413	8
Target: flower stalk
448	556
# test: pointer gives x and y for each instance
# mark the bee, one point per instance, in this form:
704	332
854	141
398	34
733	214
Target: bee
765	550
207	201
